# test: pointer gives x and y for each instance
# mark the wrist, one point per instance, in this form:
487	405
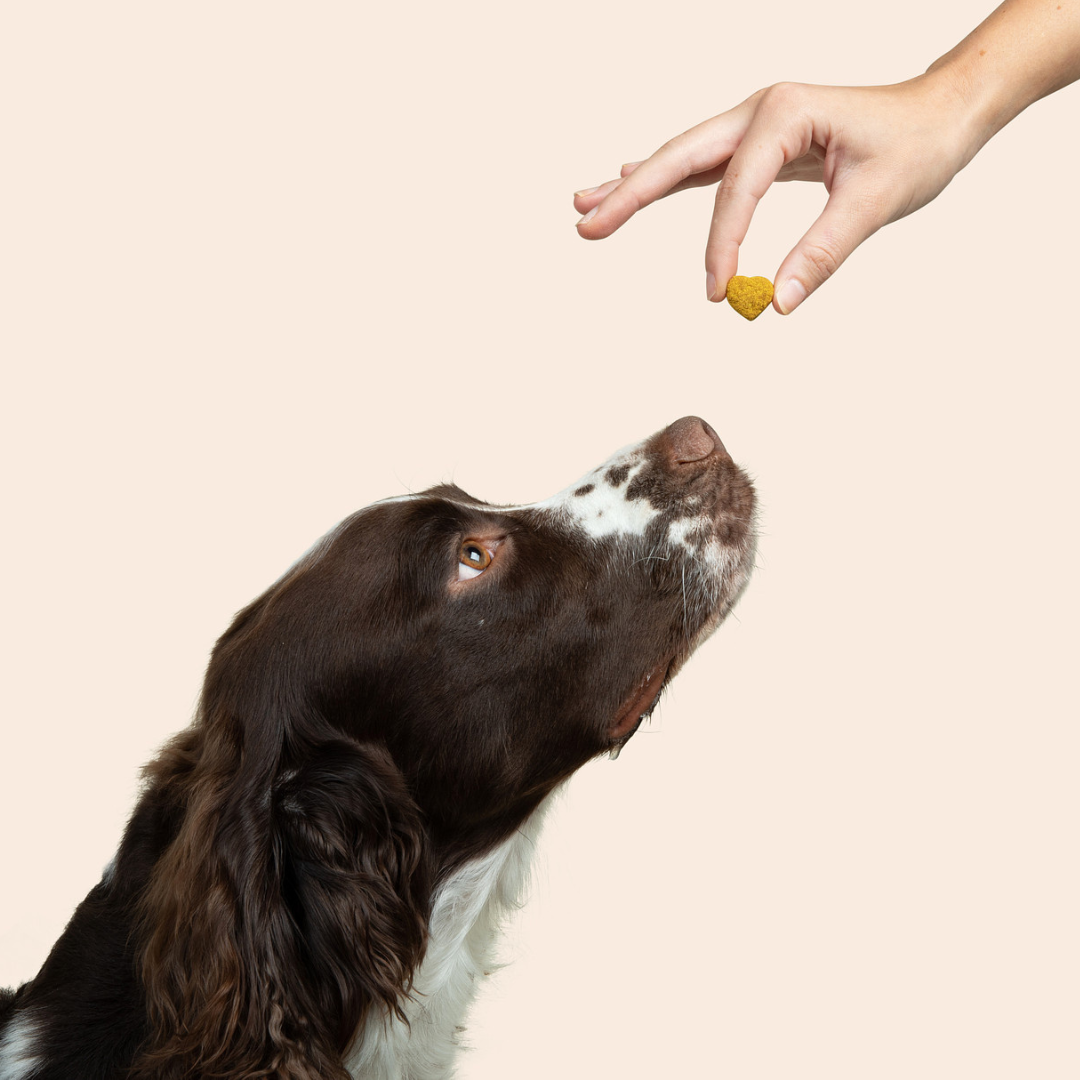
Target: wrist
982	99
1023	51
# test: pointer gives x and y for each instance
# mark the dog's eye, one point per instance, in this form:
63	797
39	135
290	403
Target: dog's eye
473	560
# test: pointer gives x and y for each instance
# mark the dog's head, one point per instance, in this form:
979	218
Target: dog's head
495	649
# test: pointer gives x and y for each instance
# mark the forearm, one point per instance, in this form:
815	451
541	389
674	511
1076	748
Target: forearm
1024	50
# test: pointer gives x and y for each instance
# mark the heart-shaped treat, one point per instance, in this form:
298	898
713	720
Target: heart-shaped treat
749	296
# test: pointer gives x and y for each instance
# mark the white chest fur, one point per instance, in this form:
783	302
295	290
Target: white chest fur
468	912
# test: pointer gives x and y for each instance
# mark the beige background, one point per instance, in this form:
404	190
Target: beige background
264	263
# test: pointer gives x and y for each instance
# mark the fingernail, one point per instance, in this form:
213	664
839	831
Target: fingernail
588	216
790	295
710	286
587	191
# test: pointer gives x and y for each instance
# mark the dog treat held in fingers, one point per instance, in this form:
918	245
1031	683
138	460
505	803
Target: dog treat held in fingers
311	883
749	296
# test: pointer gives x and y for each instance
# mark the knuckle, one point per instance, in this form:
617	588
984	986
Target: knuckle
781	118
731	192
676	151
624	202
823	258
632	202
782	98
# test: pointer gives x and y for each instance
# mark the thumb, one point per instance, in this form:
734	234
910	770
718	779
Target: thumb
843	225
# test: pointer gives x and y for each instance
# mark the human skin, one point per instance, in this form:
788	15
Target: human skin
882	152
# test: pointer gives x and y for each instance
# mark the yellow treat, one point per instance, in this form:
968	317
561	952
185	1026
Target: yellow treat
749	296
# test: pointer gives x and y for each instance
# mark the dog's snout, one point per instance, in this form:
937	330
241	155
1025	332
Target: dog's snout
692	439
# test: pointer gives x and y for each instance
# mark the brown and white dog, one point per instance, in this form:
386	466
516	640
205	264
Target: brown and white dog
311	882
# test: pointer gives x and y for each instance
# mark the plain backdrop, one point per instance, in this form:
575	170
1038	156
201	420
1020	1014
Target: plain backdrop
261	264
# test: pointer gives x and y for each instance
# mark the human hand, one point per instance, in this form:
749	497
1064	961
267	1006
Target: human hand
881	152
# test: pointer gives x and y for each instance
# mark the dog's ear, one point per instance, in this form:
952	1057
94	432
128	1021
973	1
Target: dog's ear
356	875
290	902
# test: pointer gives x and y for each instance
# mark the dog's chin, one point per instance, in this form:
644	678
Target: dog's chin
641	701
638	706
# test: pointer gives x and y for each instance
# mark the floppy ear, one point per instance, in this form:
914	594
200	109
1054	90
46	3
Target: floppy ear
290	902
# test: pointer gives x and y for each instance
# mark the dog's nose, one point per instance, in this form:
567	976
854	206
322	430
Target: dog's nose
693	440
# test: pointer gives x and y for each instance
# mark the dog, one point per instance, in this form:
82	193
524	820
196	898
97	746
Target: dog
311	883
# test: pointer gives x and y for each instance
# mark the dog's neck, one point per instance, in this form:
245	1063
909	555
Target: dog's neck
470	908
